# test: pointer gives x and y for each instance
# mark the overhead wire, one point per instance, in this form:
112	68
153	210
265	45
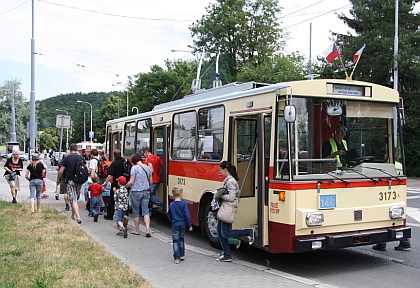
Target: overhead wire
330	11
13	8
116	15
77	64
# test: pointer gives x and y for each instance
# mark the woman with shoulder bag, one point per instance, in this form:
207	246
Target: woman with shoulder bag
13	166
227	212
140	179
36	170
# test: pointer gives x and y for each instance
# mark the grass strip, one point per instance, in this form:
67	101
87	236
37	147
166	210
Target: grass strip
48	250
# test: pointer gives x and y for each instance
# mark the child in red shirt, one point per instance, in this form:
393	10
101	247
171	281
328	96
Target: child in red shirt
95	199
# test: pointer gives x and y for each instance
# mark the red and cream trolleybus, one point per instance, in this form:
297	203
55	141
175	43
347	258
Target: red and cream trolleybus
294	198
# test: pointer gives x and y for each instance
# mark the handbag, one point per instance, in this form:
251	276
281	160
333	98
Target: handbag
227	211
150	205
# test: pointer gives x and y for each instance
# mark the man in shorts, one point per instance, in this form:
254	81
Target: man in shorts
69	164
63	187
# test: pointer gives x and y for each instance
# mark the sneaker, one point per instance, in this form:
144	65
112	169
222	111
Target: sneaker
251	237
176	261
67	207
57	196
238	244
125	221
402	247
95	218
182	258
90	214
379	247
223	259
120	233
14	200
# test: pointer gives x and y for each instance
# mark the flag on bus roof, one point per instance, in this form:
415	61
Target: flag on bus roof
358	54
331	52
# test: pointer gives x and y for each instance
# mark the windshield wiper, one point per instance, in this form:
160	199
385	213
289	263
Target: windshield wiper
374	180
342	180
383	171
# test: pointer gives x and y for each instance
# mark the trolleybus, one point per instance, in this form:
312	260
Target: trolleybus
293	198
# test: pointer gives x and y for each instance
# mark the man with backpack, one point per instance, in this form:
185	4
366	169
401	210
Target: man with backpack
116	169
99	168
74	165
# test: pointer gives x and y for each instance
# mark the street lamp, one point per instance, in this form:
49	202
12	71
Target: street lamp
137	109
91	131
120	84
67	143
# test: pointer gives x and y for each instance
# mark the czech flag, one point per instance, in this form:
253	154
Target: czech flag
331	52
358	54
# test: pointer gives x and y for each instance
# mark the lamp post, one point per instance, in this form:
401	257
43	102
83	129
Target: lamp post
67	141
120	84
91	131
137	109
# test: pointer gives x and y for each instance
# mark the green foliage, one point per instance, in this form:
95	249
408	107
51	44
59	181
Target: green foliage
21	112
250	33
46	115
162	85
280	68
50	138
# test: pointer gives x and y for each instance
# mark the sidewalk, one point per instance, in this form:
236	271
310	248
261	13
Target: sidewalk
152	257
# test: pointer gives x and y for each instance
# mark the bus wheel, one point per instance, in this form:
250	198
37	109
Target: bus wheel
210	225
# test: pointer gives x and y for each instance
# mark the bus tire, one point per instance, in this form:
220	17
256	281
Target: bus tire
210	225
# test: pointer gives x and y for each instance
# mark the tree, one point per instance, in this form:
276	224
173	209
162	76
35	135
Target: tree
250	32
279	68
374	23
160	86
108	111
50	138
21	112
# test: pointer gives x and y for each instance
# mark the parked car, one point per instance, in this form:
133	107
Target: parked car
23	156
55	158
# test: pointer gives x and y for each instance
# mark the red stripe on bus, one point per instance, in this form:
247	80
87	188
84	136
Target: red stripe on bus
196	169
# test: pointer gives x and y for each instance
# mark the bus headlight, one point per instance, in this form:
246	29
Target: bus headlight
314	219
396	212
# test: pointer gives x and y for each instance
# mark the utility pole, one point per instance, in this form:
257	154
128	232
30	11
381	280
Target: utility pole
13	113
32	135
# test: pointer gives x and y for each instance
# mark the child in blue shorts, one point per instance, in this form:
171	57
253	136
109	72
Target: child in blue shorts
121	206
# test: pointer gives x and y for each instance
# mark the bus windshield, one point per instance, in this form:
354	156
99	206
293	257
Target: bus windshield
369	126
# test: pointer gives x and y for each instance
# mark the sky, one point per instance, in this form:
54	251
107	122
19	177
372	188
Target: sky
89	45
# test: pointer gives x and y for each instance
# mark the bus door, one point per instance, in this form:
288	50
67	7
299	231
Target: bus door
114	142
249	133
160	148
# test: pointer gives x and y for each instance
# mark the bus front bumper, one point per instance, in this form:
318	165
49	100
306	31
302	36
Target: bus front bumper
335	241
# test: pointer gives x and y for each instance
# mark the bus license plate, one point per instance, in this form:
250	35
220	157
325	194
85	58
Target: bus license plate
327	201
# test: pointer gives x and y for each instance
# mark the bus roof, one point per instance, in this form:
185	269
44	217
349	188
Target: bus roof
318	88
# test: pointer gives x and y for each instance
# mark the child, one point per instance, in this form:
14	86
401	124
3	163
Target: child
95	197
121	206
179	216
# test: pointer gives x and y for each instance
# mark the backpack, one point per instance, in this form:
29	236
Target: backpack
103	169
126	168
82	172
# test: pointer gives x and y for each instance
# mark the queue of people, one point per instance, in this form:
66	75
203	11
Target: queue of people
141	182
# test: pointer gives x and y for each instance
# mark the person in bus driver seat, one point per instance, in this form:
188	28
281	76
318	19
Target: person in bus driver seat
336	147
